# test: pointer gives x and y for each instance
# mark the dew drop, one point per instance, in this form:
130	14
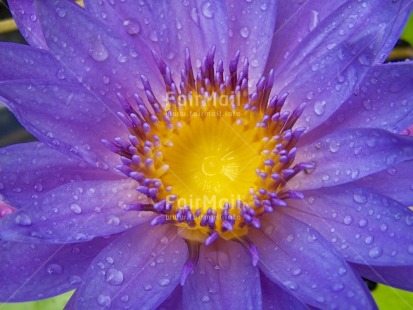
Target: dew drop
369	240
98	51
320	107
207	9
338	287
195	16
359	198
75	208
334	147
291	285
104	300
147	287
348	220
375	252
131	26
113	220
23	220
362	222
314	20
75	280
122	58
342	271
114	277
205	299
54	269
105	79
245	32
61	12
164	282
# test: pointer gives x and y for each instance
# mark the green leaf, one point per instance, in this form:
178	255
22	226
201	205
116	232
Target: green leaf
407	34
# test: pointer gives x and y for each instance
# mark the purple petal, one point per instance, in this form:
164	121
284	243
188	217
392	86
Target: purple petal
66	117
333	59
37	271
365	227
138	270
174	301
168	27
298	17
102	61
350	154
223	278
275	297
396	276
383	100
28	170
294	255
24	14
22	62
395	182
250	29
75	212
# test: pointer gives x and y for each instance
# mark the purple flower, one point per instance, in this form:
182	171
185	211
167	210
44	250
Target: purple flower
207	154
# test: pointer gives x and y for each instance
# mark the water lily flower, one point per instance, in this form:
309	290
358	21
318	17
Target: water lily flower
207	154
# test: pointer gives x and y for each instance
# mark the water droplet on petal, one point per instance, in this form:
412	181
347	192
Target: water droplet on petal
207	9
291	285
195	16
122	58
114	277
98	51
369	240
76	209
54	269
348	220
147	287
132	26
314	20
23	220
113	220
363	222
359	198
375	252
104	300
75	280
320	107
205	299
245	32
342	271
61	12
338	287
164	282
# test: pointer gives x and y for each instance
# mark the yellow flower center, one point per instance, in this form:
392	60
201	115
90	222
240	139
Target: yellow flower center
215	158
